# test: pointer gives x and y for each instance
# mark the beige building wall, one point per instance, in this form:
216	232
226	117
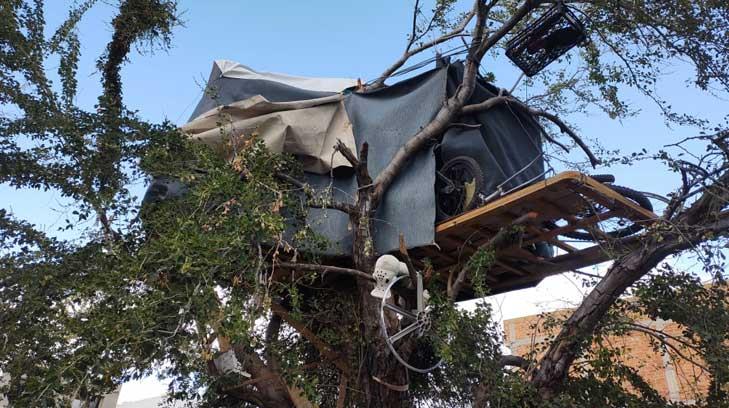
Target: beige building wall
675	379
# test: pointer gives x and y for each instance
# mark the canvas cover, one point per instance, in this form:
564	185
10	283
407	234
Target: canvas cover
231	69
297	115
308	121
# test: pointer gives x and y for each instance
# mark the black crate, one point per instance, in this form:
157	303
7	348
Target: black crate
549	37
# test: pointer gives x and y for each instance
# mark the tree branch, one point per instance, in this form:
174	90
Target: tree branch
503	239
405	256
360	165
326	269
514	361
594	161
312	200
663	339
684	232
324	349
509	100
453	105
515	18
413	32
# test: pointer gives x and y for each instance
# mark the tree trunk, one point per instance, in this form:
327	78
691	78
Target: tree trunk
578	329
378	363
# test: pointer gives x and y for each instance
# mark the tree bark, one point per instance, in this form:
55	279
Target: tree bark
577	331
377	362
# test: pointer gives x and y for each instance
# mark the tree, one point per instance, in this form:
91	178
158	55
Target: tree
181	284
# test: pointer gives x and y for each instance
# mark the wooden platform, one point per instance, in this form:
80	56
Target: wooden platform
560	199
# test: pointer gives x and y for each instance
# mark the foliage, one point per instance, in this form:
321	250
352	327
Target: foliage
170	285
478	265
468	342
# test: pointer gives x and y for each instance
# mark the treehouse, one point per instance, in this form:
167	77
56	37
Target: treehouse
484	176
483	184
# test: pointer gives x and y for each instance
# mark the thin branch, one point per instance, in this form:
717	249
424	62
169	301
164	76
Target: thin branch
360	165
413	33
518	15
312	200
594	161
347	153
363	173
503	239
405	256
324	269
485	105
663	339
380	82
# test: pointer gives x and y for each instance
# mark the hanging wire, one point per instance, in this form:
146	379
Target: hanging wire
461	49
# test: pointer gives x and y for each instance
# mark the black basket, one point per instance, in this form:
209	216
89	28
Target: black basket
546	39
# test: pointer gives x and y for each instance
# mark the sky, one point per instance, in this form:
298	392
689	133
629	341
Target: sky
336	39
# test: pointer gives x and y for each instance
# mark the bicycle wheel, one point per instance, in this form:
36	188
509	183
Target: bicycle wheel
457	186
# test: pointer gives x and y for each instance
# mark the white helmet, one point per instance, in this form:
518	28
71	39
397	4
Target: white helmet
387	268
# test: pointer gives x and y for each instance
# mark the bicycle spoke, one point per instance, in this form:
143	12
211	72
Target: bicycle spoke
400	311
404	332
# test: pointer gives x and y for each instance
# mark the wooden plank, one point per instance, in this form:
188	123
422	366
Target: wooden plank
583	258
555	207
563	245
523	254
511	268
575	181
560	197
529	192
538	233
548	210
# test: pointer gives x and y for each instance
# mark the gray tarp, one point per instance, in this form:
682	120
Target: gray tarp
504	144
386	119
